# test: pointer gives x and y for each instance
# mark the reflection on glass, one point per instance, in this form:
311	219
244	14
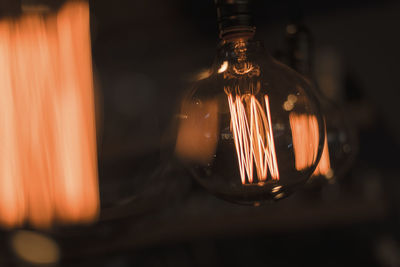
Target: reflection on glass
324	165
48	165
197	136
305	143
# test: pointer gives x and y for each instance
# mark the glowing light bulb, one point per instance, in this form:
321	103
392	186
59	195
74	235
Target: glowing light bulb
340	145
48	161
252	130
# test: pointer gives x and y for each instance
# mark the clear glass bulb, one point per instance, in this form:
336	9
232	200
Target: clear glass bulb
341	142
251	130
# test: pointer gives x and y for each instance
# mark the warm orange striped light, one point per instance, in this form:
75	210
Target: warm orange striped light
254	140
324	165
48	165
305	143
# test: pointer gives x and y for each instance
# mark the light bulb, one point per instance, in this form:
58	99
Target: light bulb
252	130
340	145
48	159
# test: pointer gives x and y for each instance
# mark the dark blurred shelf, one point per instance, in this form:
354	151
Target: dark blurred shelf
202	216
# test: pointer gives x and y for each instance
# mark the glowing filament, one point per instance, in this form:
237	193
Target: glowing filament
254	140
48	166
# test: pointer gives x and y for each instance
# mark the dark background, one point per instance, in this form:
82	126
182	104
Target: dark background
145	52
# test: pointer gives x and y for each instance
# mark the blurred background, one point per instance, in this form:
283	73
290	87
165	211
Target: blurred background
145	53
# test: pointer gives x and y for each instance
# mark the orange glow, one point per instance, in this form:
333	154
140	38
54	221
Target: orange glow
253	137
324	165
197	135
48	165
305	139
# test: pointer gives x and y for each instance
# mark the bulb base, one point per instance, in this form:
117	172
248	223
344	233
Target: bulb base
235	20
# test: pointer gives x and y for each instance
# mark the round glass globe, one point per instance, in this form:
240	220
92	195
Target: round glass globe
252	130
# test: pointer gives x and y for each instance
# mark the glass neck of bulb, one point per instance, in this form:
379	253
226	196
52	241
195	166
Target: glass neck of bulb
240	50
239	63
237	33
235	19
